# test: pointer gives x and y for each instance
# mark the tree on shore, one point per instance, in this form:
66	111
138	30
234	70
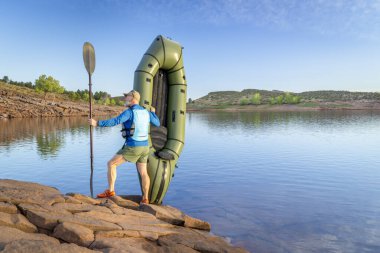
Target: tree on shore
5	79
48	84
291	99
287	98
101	95
279	99
256	99
244	101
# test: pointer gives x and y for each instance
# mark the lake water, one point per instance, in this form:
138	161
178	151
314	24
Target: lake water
271	182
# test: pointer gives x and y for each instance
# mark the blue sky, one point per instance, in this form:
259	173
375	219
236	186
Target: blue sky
229	44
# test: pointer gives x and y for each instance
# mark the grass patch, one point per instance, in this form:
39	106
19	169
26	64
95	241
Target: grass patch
309	104
337	105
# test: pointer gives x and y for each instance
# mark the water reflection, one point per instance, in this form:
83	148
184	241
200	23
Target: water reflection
48	144
247	120
49	134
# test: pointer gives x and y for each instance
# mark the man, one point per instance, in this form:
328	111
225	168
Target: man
135	122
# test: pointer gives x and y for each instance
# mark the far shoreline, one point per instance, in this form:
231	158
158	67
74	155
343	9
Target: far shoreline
357	106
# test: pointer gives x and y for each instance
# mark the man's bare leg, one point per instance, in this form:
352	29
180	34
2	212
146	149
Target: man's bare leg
112	164
145	181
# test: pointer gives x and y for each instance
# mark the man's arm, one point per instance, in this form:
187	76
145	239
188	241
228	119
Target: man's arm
124	116
154	120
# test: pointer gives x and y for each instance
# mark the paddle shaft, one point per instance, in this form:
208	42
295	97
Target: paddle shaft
91	149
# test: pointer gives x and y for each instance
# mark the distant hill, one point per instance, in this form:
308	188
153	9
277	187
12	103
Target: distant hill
234	97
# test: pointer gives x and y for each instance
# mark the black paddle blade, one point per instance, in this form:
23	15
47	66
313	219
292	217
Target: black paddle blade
89	57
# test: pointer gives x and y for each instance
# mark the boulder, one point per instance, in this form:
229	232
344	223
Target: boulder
17	192
8	208
17	221
74	233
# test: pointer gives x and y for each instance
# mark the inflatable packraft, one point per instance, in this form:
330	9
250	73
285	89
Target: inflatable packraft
160	80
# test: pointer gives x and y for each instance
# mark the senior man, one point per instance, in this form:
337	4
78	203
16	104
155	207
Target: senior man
135	120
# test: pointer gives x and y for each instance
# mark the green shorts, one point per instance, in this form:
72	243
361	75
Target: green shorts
135	154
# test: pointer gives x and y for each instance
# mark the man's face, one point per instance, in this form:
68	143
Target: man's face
128	100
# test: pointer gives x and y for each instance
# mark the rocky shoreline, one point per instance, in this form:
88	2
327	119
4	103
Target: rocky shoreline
20	102
38	218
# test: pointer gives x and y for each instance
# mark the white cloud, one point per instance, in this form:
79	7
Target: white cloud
355	18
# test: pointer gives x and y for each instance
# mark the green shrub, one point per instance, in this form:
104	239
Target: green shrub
48	84
279	99
256	99
244	101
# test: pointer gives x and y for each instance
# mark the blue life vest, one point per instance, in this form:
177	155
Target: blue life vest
140	126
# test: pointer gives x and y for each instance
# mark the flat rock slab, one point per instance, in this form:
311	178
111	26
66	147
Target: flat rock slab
17	192
44	219
128	233
69	199
92	223
24	207
176	217
132	245
199	243
8	235
119	210
123	202
165	213
83	198
133	217
77	208
192	222
74	233
8	208
48	220
17	221
32	246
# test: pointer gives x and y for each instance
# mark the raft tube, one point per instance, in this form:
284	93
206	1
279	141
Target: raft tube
162	65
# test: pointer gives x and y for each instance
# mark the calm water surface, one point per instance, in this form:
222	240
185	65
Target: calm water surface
271	182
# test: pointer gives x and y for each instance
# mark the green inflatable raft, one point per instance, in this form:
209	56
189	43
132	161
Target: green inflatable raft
160	79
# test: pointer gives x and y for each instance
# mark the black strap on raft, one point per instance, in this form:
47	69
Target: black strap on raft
165	155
